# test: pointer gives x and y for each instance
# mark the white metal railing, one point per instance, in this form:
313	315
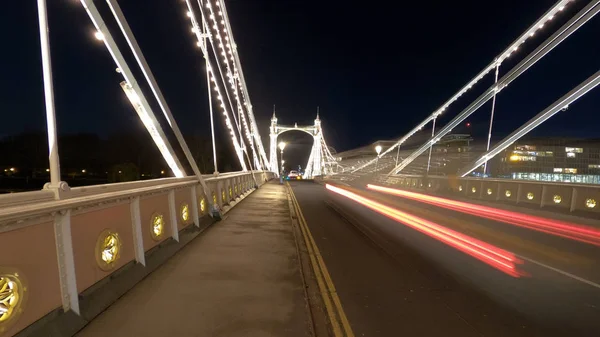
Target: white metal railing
566	196
55	247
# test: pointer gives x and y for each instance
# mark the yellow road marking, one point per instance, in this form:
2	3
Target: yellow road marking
337	317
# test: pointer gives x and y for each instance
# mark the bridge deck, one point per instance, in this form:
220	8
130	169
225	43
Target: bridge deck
240	278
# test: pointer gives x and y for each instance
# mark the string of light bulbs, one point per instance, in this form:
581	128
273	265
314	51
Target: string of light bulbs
225	42
241	81
209	71
513	47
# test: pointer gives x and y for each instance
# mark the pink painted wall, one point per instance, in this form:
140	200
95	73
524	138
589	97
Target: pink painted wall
148	206
86	229
183	196
37	268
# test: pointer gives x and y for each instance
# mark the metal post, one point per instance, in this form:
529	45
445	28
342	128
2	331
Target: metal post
397	154
431	147
491	120
212	125
49	96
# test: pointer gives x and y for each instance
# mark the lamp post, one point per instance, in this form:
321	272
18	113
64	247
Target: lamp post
281	147
378	150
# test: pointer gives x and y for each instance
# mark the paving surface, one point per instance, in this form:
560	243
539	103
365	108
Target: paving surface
239	278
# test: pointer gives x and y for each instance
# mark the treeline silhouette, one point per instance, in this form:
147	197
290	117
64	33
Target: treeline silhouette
88	159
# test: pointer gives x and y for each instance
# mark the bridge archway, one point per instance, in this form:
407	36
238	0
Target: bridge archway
313	166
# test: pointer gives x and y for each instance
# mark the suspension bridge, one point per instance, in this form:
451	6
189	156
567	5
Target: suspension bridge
388	239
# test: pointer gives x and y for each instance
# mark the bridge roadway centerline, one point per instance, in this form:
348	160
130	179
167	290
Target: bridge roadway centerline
395	292
373	293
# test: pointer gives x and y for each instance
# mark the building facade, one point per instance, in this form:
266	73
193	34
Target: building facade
553	159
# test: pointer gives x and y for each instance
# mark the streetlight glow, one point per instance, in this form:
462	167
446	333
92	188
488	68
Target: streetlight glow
282	145
99	36
378	149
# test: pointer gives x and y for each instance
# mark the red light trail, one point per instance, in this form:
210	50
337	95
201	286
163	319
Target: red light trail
554	227
491	255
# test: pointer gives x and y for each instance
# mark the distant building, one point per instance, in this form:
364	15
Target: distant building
553	159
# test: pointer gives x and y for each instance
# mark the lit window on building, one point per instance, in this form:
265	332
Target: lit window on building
571	155
571	170
558	170
595	166
573	149
525	147
516	157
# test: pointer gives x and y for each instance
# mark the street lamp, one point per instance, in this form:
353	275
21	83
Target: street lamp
378	150
281	147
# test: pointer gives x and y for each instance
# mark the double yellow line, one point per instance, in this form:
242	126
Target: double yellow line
335	312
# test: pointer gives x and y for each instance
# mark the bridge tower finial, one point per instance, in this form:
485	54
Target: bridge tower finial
274	111
317	112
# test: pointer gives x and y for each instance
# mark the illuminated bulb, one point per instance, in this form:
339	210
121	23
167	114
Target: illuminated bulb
220	13
550	17
541	26
531	34
561	8
208	5
198	44
189	14
223	22
99	36
216	27
212	16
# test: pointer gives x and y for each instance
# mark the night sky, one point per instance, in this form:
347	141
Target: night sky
375	69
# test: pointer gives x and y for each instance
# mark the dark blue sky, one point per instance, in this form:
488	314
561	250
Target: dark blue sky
375	68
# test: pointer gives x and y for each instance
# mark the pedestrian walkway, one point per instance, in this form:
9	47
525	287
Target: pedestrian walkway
239	278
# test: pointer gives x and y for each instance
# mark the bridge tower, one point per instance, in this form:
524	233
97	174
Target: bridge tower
315	160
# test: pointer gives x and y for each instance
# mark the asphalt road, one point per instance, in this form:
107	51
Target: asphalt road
395	281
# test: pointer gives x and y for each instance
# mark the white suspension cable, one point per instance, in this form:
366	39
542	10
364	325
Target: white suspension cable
513	47
199	36
561	104
562	34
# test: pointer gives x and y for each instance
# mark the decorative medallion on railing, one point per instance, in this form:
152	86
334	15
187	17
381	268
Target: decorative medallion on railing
185	212
157	226
12	295
202	206
557	199
108	249
530	196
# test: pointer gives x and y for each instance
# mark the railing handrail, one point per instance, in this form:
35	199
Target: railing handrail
8	215
501	180
41	196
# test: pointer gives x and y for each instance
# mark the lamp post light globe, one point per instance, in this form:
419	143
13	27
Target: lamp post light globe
282	146
378	150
